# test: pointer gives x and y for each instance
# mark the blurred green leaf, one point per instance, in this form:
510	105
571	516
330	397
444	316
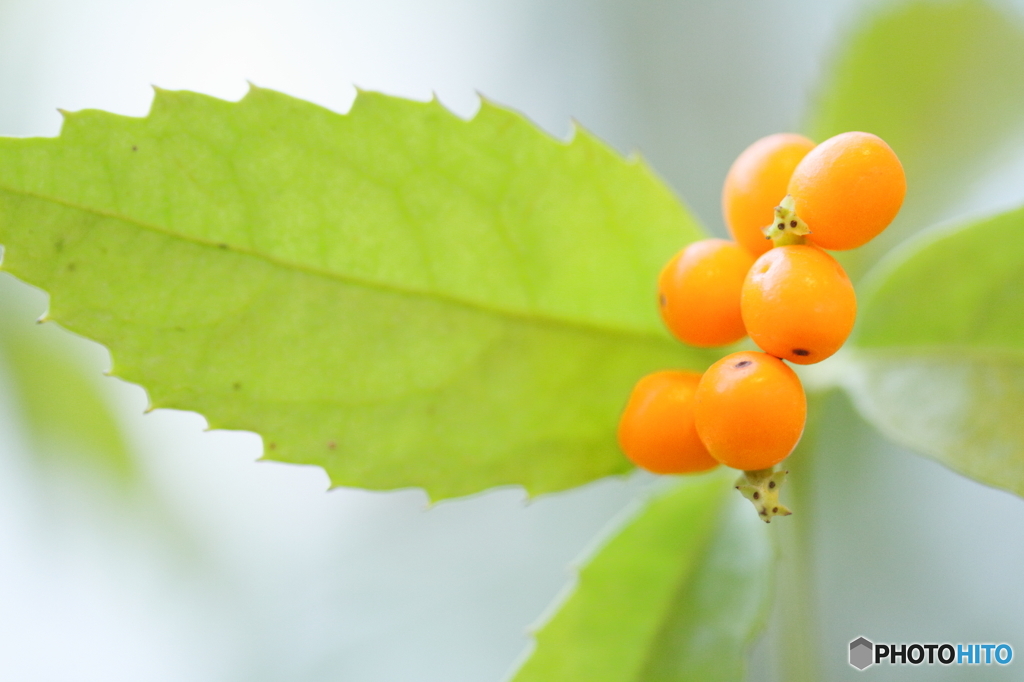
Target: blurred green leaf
65	412
943	84
400	296
939	351
678	594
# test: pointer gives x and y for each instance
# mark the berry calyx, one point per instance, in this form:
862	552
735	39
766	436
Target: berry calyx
656	430
787	228
699	292
762	488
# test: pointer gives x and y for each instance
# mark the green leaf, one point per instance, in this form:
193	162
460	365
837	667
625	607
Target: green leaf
400	296
943	84
939	351
678	594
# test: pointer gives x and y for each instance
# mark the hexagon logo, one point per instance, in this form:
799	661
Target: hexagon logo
860	653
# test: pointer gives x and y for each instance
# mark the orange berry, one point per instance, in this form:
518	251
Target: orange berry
699	292
798	304
750	410
848	189
656	430
756	183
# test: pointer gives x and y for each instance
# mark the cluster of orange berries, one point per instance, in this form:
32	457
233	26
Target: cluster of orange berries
776	283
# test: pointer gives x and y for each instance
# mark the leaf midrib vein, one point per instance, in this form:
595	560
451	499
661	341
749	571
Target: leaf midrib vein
530	317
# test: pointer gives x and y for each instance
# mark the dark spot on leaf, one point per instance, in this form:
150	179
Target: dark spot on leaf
222	246
273	446
236	385
661	300
771	484
757	496
71	267
801	352
763	512
792	223
775	510
331	445
58	245
782	226
134	148
742	363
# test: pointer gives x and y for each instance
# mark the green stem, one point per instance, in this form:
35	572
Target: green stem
795	620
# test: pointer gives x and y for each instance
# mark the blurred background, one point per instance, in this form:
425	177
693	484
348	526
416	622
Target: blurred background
138	546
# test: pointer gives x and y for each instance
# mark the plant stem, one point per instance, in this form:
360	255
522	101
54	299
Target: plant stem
795	619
